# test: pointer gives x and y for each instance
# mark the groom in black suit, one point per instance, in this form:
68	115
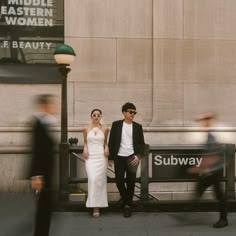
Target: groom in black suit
126	146
42	161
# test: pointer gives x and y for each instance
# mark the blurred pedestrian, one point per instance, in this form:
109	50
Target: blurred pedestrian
211	168
96	155
43	145
126	145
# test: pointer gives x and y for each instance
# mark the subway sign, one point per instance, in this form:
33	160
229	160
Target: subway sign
173	164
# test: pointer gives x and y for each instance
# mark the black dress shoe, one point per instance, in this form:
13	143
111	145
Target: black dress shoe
221	223
127	212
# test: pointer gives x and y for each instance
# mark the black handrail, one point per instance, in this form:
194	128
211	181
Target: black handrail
229	178
144	194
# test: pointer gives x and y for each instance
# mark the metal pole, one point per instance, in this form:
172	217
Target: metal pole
230	171
64	145
145	175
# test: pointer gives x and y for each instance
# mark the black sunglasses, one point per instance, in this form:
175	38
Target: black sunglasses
132	112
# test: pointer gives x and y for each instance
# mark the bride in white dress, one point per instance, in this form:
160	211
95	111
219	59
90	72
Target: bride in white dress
96	153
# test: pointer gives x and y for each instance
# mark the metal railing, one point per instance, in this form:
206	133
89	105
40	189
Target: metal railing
146	165
75	152
228	177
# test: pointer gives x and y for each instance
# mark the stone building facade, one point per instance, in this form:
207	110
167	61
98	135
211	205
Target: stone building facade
172	58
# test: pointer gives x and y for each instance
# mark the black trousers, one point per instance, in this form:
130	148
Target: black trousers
43	213
126	186
214	180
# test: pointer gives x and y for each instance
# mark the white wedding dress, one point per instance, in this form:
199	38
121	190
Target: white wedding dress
96	167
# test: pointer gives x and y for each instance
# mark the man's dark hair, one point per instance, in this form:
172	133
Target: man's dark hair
128	106
44	99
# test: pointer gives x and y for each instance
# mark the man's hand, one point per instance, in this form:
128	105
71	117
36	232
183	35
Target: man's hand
135	161
37	183
205	166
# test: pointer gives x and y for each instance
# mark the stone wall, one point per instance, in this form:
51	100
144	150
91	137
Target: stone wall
172	58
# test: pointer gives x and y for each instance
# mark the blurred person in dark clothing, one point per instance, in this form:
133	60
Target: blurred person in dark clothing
210	170
43	145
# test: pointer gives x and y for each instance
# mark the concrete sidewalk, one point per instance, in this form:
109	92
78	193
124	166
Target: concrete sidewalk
140	224
17	219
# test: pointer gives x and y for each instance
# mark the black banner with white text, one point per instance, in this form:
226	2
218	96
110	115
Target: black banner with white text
30	30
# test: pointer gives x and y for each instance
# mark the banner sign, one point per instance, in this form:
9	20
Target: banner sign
173	164
30	30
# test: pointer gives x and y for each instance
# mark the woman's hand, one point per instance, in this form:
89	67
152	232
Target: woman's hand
85	154
106	152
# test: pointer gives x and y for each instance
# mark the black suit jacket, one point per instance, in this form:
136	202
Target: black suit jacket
115	139
42	151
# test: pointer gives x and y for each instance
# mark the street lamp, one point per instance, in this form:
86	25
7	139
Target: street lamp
64	56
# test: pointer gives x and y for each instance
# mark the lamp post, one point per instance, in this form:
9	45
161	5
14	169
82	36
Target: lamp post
64	56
